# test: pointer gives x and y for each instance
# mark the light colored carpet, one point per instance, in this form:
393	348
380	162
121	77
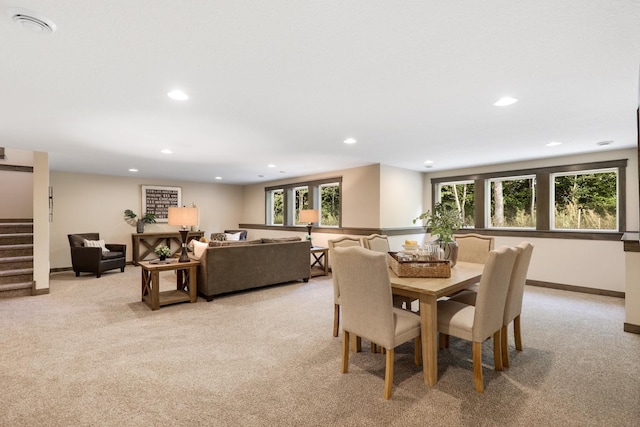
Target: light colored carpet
91	354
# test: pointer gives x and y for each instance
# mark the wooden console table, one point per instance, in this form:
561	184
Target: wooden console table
186	283
145	243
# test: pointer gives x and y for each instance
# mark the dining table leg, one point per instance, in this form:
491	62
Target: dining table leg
429	327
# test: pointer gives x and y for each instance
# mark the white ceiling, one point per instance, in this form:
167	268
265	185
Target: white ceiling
285	82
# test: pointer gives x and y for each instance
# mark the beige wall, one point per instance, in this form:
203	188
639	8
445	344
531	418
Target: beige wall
400	196
16	188
592	264
96	203
360	196
41	225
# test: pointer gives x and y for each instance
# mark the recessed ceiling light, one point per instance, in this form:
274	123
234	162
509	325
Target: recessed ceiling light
31	21
553	144
271	165
178	95
133	170
349	141
504	101
604	143
166	151
428	162
218	177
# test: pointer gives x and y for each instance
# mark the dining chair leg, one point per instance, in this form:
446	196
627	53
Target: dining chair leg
516	333
443	340
374	348
345	352
505	346
477	366
497	352
388	375
417	352
336	319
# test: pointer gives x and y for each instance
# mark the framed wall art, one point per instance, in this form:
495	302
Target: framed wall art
158	199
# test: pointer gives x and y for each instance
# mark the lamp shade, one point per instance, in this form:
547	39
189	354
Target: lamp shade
183	216
309	215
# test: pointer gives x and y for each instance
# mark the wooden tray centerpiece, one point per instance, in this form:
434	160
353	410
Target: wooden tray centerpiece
418	268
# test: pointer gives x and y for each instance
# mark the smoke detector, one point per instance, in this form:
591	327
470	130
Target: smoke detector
32	21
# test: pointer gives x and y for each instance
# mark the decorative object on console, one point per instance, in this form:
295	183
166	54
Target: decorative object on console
184	217
163	252
309	216
147	218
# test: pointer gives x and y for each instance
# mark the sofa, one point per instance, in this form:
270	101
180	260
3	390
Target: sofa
237	266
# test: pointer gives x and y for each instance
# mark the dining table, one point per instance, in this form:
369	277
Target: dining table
427	290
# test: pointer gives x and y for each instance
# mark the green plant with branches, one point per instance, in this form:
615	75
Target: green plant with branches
441	220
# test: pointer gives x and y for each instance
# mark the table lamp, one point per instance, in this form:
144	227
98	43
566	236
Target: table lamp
309	216
184	217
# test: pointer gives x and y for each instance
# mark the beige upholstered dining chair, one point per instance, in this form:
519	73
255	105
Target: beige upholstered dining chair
479	322
380	243
367	309
473	247
513	305
341	242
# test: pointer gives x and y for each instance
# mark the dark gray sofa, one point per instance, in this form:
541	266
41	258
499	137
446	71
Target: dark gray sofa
242	266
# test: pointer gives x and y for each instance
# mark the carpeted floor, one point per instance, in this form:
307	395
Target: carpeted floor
91	354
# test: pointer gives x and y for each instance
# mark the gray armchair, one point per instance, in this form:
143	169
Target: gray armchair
93	259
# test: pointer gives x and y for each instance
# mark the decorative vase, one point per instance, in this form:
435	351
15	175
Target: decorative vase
450	252
163	257
140	227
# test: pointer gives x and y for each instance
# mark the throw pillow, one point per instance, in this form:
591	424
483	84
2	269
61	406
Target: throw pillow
233	236
199	248
96	244
218	236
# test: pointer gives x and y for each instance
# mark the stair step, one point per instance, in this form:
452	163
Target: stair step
16	262
16	276
20	289
16	250
16	227
16	238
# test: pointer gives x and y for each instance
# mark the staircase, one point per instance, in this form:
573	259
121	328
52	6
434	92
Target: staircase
16	257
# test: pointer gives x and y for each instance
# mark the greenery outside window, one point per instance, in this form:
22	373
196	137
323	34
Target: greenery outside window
460	194
330	204
275	207
585	200
512	202
301	197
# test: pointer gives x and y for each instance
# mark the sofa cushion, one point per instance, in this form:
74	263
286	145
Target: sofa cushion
280	239
199	248
232	236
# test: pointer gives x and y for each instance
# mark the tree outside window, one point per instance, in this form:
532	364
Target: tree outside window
330	204
460	194
301	197
513	202
586	200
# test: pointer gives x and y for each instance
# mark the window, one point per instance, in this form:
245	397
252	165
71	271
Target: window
275	207
512	202
585	200
330	204
301	198
284	203
462	195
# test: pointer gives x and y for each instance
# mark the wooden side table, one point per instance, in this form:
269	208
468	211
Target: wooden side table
186	283
320	264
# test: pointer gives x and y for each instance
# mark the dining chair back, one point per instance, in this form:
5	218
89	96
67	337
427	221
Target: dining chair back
473	247
367	309
376	242
479	322
344	241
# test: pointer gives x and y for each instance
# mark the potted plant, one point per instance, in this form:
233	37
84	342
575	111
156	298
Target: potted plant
442	220
147	218
163	252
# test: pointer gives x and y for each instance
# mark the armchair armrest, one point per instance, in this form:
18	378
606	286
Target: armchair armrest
116	247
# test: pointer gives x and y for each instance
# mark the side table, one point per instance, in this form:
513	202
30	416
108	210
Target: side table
320	264
186	283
